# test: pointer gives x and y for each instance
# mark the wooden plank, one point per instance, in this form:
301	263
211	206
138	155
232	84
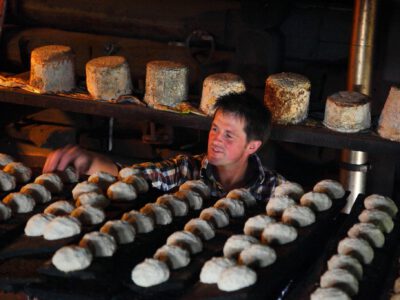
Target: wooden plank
121	111
309	133
317	135
2	14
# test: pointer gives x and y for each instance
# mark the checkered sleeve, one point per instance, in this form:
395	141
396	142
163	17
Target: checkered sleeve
170	173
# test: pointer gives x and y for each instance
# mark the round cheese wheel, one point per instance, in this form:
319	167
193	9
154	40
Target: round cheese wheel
166	83
389	126
347	111
108	77
52	69
217	85
287	96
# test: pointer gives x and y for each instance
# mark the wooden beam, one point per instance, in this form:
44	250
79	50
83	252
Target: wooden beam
2	14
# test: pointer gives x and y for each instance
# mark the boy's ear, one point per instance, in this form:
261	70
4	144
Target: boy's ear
253	146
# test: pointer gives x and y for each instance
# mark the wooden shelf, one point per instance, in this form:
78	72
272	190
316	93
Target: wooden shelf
105	109
310	132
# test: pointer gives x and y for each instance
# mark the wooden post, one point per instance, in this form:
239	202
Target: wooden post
2	14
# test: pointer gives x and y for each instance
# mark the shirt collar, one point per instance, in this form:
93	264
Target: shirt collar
206	171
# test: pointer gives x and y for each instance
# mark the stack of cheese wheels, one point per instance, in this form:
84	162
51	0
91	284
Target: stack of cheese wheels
108	77
52	69
217	85
347	111
287	96
166	83
389	123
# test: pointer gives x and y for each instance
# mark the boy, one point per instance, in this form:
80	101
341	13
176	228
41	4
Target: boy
240	126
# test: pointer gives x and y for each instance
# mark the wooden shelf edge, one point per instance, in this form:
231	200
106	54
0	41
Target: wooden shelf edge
309	132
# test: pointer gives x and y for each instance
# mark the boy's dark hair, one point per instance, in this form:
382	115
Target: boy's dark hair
252	110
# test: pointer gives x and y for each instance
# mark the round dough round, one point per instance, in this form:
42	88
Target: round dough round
100	244
7	182
160	213
277	204
141	222
213	268
297	215
186	240
72	258
255	225
37	223
5	212
340	278
50	181
291	189
102	179
235	208
121	191
93	199
358	248
37	191
85	187
193	199
174	256
377	217
138	182
236	278
330	187
69	175
348	262
19	202
278	234
369	232
380	202
128	171
178	207
62	227
89	215
236	243
258	256
122	231
316	201
329	294
243	195
5	159
21	172
217	217
58	208
198	186
150	272
201	228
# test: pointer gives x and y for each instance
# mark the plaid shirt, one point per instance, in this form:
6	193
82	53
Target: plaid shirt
170	173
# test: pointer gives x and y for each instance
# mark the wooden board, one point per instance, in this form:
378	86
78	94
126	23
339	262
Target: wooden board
310	132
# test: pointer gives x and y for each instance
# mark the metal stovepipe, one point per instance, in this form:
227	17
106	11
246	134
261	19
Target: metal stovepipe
353	173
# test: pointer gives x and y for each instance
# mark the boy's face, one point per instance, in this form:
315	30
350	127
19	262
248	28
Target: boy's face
227	140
